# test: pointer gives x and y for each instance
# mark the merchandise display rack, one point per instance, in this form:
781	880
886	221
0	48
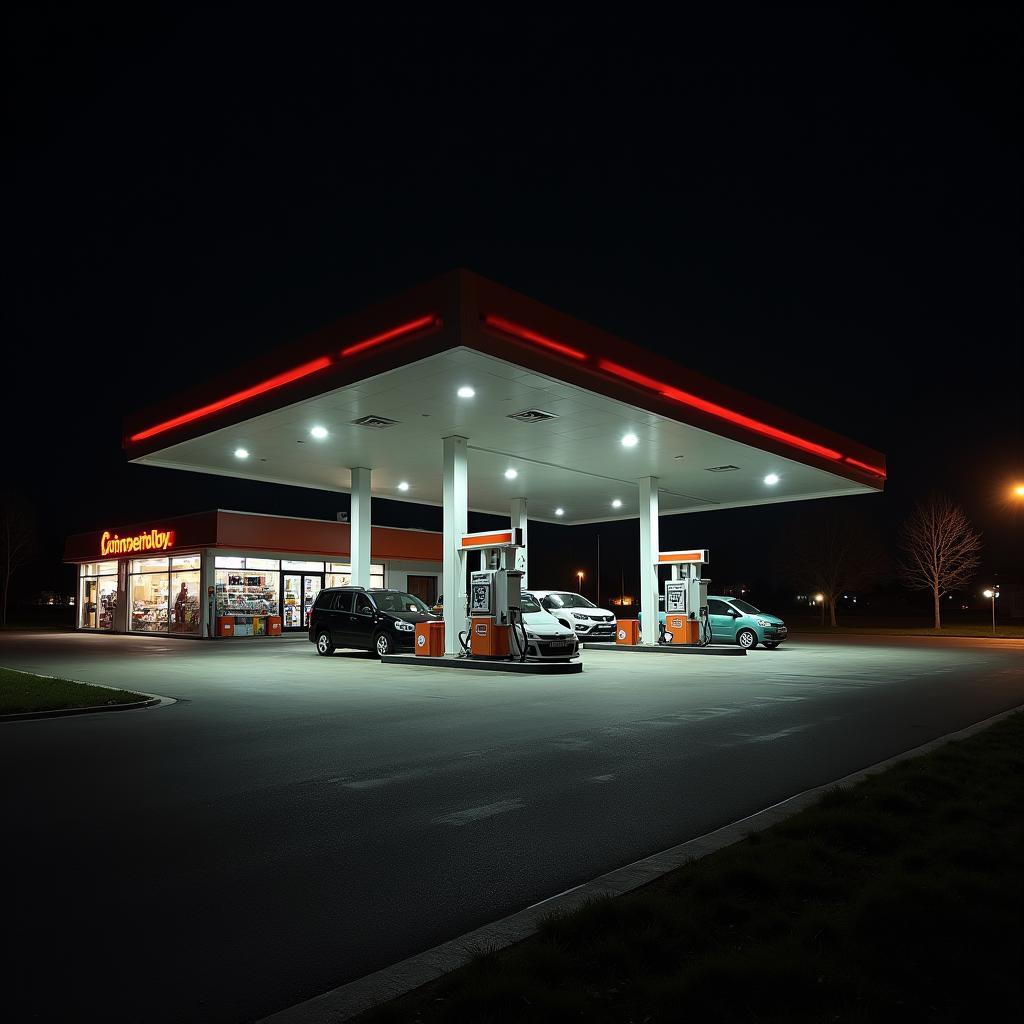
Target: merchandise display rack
249	600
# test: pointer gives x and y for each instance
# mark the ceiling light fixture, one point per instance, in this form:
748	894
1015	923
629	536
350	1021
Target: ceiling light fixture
241	453
771	479
559	511
616	503
511	474
629	440
404	485
318	432
465	392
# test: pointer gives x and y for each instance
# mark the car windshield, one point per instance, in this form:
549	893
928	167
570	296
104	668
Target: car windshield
528	603
395	601
743	606
569	600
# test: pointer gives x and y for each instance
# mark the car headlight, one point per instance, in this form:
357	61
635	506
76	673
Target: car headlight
404	627
580	615
763	622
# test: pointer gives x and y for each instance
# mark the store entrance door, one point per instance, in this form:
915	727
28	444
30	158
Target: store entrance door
300	590
90	588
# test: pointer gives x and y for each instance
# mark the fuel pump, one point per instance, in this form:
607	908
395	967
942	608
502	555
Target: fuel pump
494	610
686	598
496	627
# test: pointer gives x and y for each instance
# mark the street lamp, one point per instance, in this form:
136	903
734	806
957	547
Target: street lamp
1018	491
992	595
579	580
820	598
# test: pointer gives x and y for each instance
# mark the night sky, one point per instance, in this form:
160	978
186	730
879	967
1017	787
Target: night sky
819	208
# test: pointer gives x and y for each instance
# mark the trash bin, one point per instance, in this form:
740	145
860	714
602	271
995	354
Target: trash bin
430	639
627	631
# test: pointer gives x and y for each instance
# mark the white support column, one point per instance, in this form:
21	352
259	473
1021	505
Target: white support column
359	533
650	624
518	521
455	522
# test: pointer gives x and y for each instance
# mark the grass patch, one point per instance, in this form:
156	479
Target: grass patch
22	692
899	899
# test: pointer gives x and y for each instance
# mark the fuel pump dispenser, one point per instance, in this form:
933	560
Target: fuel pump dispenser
686	598
496	627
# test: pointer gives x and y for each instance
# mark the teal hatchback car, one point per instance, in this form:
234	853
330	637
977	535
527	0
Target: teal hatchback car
738	622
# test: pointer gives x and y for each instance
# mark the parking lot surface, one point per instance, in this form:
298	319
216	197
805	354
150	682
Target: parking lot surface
294	822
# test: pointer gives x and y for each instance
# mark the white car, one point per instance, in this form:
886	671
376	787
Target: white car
575	612
547	639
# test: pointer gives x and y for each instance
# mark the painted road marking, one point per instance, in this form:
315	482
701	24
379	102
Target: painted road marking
471	814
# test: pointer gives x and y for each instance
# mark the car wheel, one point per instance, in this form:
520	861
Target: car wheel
771	646
747	639
323	643
383	644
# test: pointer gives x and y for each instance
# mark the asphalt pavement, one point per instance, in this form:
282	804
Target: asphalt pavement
294	822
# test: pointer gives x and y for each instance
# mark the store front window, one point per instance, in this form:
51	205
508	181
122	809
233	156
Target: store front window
247	591
148	590
339	574
97	595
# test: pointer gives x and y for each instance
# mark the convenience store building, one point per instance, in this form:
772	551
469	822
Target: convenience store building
223	573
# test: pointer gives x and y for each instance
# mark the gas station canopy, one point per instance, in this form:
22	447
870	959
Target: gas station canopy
553	410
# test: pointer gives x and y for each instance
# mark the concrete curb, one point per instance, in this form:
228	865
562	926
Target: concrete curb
152	700
531	668
347	1001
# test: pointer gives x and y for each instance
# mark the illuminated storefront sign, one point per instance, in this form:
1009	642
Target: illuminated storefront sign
151	540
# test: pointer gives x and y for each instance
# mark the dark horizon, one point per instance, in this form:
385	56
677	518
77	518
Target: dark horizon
828	220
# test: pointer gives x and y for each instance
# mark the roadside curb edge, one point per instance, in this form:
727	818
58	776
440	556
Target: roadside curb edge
152	700
347	1001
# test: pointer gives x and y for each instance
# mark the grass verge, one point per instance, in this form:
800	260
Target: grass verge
22	692
899	899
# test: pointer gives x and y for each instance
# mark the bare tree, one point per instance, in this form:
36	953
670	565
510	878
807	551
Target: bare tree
17	542
940	548
833	556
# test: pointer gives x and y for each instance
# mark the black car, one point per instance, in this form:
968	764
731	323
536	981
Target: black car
383	621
